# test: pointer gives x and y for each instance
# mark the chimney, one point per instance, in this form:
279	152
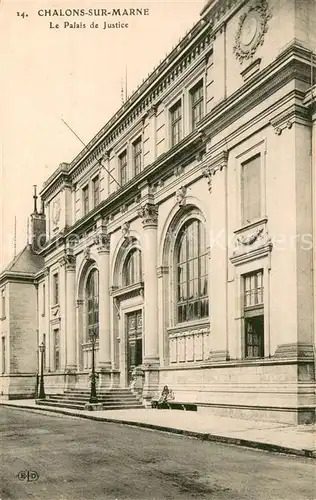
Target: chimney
38	225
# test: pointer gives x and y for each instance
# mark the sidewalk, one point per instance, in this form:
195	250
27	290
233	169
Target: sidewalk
270	436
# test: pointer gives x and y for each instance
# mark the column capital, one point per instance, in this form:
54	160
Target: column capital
149	215
102	240
69	261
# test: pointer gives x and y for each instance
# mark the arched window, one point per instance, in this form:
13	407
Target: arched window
132	269
192	271
92	303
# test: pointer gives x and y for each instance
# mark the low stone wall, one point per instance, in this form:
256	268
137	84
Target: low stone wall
18	386
265	390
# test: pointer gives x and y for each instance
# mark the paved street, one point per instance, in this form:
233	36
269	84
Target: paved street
82	459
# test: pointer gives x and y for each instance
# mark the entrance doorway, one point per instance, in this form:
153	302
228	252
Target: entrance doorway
134	335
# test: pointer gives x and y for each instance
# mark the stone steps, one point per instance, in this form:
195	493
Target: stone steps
72	406
111	399
82	400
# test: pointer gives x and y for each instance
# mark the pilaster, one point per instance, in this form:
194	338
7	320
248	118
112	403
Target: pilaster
151	134
215	171
102	240
149	215
219	86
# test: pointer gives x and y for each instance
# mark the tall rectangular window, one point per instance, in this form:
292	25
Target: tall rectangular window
3	355
254	314
176	123
3	312
56	350
43	299
56	288
251	189
137	156
85	200
96	191
197	103
123	167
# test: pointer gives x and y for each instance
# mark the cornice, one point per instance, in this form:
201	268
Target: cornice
297	113
129	191
9	276
310	99
195	44
292	64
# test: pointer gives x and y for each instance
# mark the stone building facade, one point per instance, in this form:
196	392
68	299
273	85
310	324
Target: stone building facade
182	237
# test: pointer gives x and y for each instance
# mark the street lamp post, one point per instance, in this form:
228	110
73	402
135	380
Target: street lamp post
93	391
41	388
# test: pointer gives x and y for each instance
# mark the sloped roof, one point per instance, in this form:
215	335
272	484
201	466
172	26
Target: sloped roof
26	262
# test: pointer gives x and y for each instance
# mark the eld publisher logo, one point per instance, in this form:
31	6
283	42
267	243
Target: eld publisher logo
28	475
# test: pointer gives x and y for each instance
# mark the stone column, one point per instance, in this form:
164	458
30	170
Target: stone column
71	313
149	215
102	241
69	263
216	174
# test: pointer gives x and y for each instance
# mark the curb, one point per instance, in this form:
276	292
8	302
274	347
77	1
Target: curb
247	443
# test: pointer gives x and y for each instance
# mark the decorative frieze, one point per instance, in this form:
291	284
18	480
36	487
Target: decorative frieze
149	214
178	170
251	241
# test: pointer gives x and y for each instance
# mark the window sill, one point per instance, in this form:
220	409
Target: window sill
190	325
250	225
128	289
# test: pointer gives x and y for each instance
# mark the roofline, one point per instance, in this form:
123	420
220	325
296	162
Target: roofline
139	94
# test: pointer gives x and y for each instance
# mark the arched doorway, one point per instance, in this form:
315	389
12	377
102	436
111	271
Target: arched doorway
128	300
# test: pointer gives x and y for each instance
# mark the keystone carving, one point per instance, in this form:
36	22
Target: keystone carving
126	230
181	196
87	253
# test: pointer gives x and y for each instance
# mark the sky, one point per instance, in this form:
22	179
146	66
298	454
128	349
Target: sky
73	74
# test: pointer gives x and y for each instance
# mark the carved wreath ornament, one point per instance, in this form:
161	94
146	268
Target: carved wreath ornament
251	30
250	238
